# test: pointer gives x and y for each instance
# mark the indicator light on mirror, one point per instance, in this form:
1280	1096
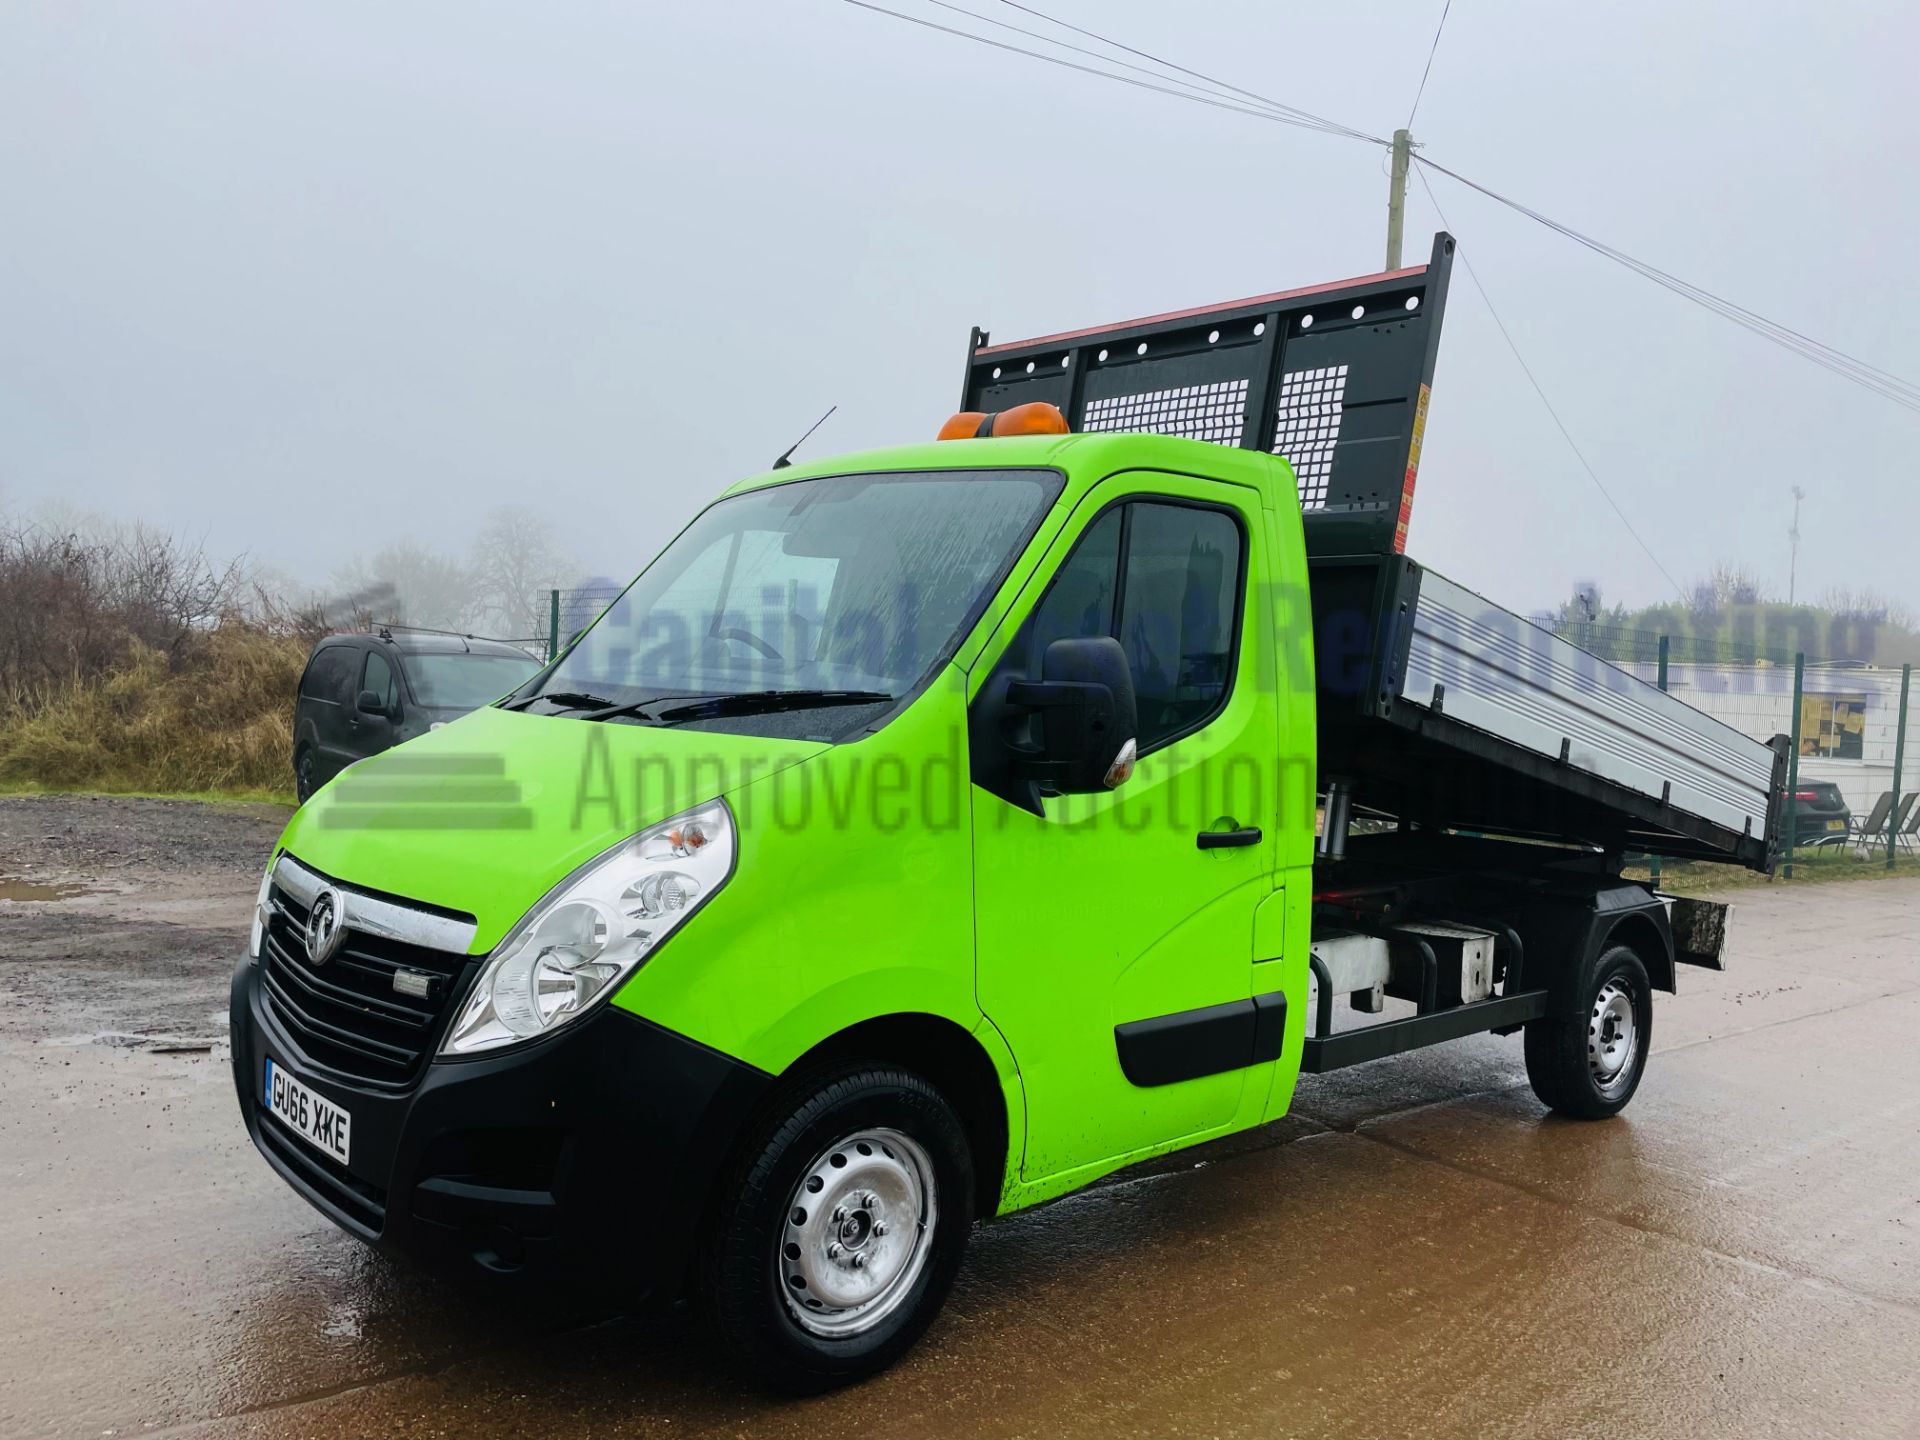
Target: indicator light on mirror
1121	770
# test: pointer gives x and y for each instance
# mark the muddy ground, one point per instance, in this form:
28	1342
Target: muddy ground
1418	1250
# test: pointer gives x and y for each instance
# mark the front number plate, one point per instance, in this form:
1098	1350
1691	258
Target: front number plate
321	1123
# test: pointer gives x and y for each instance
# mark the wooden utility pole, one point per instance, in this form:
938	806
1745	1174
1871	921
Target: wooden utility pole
1397	195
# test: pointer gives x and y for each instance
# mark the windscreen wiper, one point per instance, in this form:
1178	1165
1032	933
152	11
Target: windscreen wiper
567	700
766	702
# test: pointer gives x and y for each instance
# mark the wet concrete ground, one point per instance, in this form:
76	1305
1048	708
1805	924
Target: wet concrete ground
1418	1251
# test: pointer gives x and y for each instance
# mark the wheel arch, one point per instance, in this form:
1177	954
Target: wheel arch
1567	931
1652	942
951	1059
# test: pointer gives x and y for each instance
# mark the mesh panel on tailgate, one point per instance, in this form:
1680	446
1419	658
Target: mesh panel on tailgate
1198	412
1311	402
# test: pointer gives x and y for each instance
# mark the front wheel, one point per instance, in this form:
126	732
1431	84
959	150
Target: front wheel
1588	1065
306	774
840	1229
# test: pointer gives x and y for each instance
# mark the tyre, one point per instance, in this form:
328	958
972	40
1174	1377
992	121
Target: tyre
306	771
1588	1066
839	1228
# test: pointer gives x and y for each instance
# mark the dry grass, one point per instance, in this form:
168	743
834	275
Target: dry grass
218	719
1810	867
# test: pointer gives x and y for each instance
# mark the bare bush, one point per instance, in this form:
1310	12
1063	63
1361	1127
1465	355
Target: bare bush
74	606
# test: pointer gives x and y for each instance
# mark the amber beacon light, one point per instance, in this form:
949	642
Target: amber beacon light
1036	417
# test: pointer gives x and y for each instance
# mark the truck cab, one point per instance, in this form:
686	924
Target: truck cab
923	835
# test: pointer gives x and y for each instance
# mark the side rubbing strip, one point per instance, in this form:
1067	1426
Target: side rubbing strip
1167	1049
1269	1026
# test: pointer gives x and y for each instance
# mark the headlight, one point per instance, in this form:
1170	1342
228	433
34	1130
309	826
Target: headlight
261	903
594	929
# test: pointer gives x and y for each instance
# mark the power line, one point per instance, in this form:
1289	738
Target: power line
1782	334
1332	125
1432	50
1534	381
1882	382
1870	377
1261	110
1223	91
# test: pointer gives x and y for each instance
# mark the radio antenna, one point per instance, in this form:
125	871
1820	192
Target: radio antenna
786	456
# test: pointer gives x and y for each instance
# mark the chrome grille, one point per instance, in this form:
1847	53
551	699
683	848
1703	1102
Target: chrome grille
345	1014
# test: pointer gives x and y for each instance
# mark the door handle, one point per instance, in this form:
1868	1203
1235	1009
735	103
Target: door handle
1228	839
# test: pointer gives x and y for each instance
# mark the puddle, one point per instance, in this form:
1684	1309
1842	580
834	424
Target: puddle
34	890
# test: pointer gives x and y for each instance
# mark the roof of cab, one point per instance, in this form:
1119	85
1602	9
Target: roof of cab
1103	453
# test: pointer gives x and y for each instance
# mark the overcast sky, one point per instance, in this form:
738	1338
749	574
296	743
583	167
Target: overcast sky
310	277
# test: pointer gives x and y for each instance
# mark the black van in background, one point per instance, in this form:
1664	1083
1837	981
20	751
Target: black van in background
363	693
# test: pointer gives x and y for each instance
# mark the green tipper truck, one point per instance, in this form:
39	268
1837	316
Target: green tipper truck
927	833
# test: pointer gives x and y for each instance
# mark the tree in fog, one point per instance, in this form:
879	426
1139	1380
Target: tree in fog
516	559
405	582
1729	585
1851	604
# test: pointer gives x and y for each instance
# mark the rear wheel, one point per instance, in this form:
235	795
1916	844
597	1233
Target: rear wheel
1588	1066
840	1229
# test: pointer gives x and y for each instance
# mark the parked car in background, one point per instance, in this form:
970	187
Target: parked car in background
362	694
1821	816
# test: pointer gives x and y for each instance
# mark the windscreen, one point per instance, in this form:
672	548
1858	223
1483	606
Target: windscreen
844	583
466	682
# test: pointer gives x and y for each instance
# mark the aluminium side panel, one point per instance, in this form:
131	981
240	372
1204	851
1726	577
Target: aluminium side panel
1486	667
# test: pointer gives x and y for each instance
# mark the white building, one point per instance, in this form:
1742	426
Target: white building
1847	718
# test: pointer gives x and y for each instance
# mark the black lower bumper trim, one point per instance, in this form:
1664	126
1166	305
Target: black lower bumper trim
518	1162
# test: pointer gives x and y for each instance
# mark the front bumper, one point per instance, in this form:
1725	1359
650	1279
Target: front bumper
592	1153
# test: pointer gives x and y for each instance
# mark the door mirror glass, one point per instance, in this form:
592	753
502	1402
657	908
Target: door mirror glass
372	703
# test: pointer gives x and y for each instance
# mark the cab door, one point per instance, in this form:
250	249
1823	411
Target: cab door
1115	931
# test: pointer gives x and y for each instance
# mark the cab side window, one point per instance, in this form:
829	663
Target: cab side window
1164	579
1177	614
379	679
1079	602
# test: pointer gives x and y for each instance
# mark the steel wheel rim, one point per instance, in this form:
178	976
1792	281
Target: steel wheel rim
1612	1035
857	1232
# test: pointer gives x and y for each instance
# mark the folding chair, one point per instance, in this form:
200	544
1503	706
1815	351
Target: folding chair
1874	827
1909	838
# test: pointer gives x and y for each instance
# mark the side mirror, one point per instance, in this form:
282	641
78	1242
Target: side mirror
1070	732
370	703
1084	717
